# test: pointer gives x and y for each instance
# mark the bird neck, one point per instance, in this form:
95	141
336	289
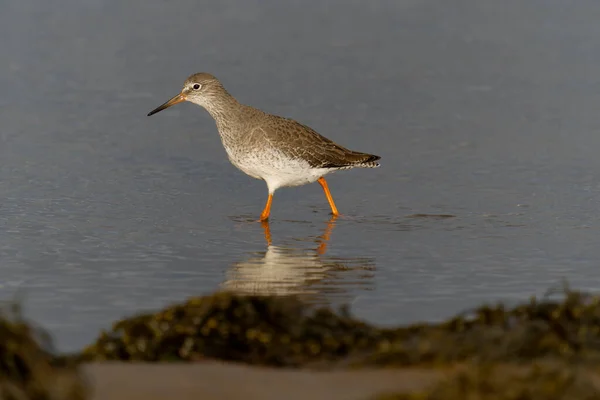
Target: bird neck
223	107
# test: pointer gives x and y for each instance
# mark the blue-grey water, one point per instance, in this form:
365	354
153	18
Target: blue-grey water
481	109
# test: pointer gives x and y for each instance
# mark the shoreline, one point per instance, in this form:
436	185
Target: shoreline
212	380
230	346
217	380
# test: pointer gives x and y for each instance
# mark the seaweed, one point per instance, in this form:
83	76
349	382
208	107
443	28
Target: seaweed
28	368
253	329
284	331
493	382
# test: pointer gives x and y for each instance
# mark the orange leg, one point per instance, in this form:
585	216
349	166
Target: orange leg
265	214
334	209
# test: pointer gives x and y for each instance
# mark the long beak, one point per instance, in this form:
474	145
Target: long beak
175	100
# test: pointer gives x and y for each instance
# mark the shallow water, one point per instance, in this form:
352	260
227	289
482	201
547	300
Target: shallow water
485	114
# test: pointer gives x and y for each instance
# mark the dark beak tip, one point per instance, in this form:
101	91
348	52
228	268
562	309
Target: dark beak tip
175	100
156	110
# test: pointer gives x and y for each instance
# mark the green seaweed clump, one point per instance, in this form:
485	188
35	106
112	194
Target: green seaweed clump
262	330
284	331
568	329
537	382
29	371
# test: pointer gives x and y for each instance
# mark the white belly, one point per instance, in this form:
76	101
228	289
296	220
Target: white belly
277	171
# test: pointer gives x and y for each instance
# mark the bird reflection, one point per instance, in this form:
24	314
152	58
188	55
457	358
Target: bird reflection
286	270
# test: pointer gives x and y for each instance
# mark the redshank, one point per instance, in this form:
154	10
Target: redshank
278	150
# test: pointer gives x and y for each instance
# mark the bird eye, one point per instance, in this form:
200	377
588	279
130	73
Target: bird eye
197	86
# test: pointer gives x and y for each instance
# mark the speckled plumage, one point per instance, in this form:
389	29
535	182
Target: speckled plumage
281	151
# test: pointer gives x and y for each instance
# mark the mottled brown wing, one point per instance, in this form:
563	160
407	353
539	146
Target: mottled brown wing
301	141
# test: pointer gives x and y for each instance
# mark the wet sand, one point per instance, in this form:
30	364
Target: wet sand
216	380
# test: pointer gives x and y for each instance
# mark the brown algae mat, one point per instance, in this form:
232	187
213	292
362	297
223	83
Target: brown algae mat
540	347
492	382
284	332
28	370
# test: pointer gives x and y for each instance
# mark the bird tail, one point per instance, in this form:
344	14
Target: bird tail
369	162
355	160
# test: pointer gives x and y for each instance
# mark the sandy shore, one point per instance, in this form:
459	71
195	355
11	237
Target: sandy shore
215	380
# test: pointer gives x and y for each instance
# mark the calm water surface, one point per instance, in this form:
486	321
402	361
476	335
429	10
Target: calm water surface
482	110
